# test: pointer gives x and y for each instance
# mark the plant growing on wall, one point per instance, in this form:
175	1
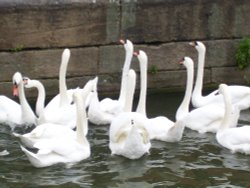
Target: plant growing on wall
243	53
152	69
17	48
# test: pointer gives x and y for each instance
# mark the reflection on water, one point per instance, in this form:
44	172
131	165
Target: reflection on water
196	161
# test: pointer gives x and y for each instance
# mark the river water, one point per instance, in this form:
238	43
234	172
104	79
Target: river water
196	161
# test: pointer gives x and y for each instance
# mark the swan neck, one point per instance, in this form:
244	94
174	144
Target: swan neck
27	112
228	110
183	109
197	93
141	107
40	98
130	93
125	70
81	121
62	82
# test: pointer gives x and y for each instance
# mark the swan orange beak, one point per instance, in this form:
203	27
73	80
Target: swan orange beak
192	44
15	91
122	41
181	61
136	54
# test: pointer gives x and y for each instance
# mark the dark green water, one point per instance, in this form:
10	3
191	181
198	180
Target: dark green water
196	161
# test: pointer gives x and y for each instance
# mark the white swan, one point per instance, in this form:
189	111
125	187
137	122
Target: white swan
102	112
25	114
240	94
10	112
52	130
161	128
128	136
60	110
236	139
63	149
40	102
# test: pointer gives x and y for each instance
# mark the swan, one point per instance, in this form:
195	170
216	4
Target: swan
40	102
52	130
102	112
240	94
236	139
60	110
127	135
10	112
24	114
162	128
63	149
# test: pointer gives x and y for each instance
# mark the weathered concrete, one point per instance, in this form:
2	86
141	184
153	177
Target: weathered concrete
37	32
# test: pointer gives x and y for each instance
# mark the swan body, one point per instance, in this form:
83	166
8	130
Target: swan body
240	94
63	149
59	110
162	128
53	130
40	102
10	112
236	139
24	115
102	112
128	136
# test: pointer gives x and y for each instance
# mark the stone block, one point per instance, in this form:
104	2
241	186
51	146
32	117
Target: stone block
46	63
112	59
220	52
179	20
231	75
166	56
63	23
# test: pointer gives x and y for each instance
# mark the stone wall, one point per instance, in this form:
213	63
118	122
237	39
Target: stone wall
34	34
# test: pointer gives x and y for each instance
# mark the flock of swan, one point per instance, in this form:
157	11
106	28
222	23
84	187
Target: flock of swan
61	126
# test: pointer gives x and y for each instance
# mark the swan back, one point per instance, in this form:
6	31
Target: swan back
128	135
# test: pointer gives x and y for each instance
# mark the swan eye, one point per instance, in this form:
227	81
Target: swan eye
196	43
25	80
132	121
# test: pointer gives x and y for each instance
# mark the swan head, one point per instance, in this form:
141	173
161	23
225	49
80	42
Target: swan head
128	45
17	78
199	46
77	95
222	88
142	56
26	82
91	85
66	54
187	61
94	84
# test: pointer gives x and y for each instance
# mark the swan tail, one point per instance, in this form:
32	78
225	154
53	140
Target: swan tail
34	160
175	132
24	140
17	135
